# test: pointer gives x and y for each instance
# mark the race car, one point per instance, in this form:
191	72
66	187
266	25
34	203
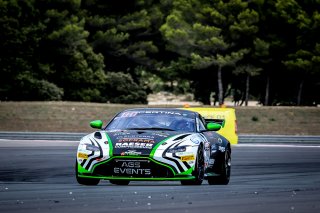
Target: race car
154	144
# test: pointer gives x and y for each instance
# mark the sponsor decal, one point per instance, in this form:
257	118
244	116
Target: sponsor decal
222	149
163	112
207	146
82	155
121	133
131	168
131	171
213	116
128	114
140	140
160	135
180	154
131	152
134	145
211	162
135	136
187	158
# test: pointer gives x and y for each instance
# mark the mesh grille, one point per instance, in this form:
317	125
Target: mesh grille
133	168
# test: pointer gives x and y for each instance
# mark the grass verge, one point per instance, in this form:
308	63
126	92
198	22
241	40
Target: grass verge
75	117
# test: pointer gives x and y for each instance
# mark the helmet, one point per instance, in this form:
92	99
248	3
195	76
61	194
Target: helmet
183	125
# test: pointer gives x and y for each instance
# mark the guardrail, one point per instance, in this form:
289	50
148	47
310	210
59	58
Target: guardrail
42	136
77	136
310	139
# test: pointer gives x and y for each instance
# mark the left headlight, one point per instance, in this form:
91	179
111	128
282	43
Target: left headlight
177	149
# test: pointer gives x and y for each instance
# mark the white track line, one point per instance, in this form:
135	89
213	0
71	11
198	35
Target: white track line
278	145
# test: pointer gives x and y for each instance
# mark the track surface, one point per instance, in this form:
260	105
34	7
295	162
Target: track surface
38	176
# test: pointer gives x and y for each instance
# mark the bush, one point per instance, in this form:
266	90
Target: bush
86	95
30	89
120	88
45	91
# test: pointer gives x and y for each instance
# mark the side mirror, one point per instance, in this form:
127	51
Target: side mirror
213	126
97	124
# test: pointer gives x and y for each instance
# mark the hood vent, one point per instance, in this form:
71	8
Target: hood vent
181	137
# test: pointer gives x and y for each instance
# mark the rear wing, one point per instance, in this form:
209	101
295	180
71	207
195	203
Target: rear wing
226	117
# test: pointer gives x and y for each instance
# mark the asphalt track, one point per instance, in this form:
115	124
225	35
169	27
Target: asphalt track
38	176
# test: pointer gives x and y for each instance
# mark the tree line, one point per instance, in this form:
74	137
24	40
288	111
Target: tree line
119	51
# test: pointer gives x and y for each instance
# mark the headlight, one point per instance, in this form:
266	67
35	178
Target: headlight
92	148
177	149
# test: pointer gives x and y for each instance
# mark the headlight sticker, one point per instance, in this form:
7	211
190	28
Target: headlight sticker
187	158
82	155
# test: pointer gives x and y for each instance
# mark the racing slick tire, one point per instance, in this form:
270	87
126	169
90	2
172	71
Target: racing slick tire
120	182
199	170
225	170
86	181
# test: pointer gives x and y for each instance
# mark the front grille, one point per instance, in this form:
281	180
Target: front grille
133	167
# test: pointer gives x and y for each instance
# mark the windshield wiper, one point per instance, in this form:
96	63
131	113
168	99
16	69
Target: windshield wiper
151	128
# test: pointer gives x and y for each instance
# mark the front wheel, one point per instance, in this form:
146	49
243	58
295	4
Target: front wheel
225	170
86	181
199	170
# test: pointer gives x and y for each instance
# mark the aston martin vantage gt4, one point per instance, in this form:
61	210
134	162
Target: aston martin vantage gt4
154	144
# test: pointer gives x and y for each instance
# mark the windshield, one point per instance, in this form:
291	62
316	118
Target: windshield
155	120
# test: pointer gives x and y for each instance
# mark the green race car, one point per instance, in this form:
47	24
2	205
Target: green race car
154	144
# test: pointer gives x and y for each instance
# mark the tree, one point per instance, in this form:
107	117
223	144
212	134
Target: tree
248	71
305	20
126	36
20	33
73	63
220	61
120	88
199	30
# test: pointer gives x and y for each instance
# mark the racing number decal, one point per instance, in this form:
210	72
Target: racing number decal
129	114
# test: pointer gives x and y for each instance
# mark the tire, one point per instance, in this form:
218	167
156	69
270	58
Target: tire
86	181
120	182
225	170
199	170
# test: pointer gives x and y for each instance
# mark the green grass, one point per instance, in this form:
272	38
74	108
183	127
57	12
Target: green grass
279	120
75	117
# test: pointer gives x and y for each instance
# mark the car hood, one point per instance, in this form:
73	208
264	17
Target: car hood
141	142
